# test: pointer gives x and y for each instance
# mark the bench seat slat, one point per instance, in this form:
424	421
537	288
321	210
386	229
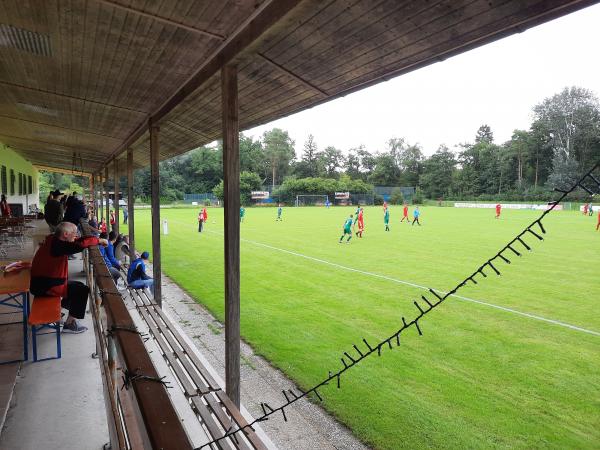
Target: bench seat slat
183	379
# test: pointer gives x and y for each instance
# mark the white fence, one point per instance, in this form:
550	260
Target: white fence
538	206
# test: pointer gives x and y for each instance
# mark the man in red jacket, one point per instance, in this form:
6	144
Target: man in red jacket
50	271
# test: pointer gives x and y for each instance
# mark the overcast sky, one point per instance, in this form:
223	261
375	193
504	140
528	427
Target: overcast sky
445	103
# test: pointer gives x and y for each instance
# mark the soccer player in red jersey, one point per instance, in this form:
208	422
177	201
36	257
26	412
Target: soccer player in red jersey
361	223
498	210
405	214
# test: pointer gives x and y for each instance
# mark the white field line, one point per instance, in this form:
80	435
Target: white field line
418	286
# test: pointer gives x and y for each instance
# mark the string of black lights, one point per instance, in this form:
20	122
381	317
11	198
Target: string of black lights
588	182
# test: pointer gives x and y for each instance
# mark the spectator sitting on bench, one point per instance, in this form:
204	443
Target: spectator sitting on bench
136	275
122	249
93	223
108	253
50	271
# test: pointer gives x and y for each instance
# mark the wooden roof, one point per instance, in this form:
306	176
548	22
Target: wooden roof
81	79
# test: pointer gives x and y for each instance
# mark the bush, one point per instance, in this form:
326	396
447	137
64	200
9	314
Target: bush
397	198
377	200
418	197
248	182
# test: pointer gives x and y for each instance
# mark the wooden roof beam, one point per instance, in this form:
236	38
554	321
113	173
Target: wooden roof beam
184	128
164	20
265	16
20	119
59	170
302	81
70	97
58	147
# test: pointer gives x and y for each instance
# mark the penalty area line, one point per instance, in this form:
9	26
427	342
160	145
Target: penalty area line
418	286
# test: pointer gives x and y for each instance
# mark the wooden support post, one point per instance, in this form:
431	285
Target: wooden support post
231	183
155	201
106	199
99	206
117	190
92	179
99	197
130	200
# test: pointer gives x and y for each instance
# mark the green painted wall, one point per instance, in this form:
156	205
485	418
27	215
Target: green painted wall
9	159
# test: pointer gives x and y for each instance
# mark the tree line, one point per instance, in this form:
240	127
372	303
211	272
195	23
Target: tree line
561	143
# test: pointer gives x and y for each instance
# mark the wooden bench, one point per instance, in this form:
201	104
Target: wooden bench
45	314
199	392
195	393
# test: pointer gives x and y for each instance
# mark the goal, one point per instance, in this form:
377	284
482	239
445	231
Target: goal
311	200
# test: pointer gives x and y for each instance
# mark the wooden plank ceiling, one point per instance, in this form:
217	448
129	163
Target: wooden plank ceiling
80	79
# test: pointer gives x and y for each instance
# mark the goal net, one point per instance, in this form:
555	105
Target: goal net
311	200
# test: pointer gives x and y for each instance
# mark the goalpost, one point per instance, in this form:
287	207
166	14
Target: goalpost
311	200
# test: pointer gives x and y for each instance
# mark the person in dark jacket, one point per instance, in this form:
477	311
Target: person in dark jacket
53	211
136	275
50	271
75	210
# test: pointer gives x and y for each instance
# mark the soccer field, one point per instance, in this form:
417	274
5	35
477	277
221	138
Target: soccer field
513	363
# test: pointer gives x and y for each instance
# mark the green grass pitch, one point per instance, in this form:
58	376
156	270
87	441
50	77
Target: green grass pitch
479	377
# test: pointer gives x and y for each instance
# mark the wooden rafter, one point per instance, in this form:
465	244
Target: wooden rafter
37	122
71	97
59	170
162	19
289	73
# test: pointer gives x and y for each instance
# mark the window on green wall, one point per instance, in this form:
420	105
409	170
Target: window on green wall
12	182
29	185
20	183
3	181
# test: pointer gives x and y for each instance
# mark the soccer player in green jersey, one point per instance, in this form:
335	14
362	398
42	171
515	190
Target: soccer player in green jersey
347	230
386	219
242	213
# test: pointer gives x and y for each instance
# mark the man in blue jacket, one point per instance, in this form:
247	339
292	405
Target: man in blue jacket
136	275
108	254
